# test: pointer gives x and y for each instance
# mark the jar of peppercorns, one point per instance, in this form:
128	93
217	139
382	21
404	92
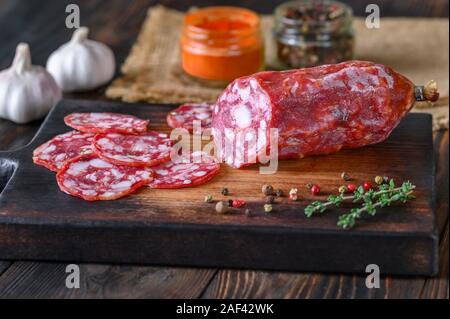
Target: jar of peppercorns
313	32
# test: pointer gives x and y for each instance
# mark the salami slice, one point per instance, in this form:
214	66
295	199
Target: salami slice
184	115
147	149
106	123
91	178
55	152
185	173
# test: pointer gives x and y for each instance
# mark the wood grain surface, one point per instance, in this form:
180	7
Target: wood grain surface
44	32
176	227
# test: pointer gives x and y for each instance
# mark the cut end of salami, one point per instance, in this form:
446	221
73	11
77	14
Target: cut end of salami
147	149
55	152
196	169
91	178
106	123
185	115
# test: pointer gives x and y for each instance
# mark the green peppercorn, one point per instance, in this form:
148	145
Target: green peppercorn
225	191
279	192
268	208
270	199
345	176
267	189
379	180
208	198
342	189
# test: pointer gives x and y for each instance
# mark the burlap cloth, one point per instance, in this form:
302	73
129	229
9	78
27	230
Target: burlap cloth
416	47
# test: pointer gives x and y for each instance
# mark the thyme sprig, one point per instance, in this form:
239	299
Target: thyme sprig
371	200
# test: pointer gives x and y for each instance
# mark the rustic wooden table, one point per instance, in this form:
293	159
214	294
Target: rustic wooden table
117	22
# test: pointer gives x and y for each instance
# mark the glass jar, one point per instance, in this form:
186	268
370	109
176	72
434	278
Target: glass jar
313	32
221	43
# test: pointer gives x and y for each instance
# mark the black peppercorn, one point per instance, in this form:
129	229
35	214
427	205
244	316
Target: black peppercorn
267	189
225	191
270	199
248	213
230	203
279	192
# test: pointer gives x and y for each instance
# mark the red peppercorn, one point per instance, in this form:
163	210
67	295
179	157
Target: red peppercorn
367	186
351	187
315	190
238	203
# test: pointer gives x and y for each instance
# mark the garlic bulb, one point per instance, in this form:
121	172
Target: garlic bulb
27	92
81	64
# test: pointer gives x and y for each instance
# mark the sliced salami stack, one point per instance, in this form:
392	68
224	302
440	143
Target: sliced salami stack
111	155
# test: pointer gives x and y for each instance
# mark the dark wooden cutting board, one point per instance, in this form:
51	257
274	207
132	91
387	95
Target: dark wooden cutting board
175	227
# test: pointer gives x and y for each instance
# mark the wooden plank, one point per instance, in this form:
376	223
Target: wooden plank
438	287
175	232
47	280
441	150
254	284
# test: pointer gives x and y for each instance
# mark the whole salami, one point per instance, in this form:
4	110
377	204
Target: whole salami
92	179
106	123
55	152
317	110
146	149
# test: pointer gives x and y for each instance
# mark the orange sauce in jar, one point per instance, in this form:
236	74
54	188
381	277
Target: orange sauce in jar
222	43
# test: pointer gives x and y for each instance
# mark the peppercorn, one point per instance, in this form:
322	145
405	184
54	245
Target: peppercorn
386	179
379	180
342	189
248	213
309	185
230	203
367	186
236	203
267	189
293	194
268	208
345	176
351	187
208	198
279	192
225	191
221	207
315	190
270	199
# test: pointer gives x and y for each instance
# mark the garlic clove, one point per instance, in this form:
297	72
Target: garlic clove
80	35
82	64
22	59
